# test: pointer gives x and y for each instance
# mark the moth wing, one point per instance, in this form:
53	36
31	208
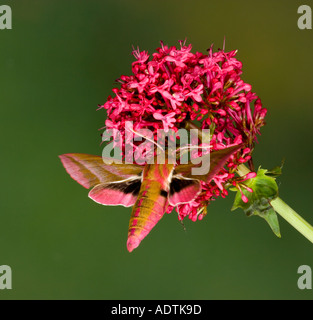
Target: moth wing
217	161
183	190
122	193
89	170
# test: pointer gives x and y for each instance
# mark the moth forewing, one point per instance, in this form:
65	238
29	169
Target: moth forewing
217	160
89	170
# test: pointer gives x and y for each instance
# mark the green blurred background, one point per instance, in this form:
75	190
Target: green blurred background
57	64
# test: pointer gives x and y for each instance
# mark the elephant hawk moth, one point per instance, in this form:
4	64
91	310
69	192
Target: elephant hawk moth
148	188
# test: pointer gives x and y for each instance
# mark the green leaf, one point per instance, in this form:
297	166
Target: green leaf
264	189
276	171
271	218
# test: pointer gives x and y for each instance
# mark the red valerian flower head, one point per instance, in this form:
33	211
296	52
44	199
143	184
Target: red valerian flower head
175	88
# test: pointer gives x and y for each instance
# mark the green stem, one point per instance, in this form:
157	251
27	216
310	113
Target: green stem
286	212
293	218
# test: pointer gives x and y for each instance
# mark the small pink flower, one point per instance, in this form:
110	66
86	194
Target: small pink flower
141	85
220	180
196	94
244	198
168	120
175	98
141	57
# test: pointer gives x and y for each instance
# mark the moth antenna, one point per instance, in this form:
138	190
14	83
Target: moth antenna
193	147
183	225
141	135
189	147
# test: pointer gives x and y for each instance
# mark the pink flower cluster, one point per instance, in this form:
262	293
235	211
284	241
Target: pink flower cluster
175	87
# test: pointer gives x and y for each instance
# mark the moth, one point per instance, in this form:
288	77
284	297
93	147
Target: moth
148	188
